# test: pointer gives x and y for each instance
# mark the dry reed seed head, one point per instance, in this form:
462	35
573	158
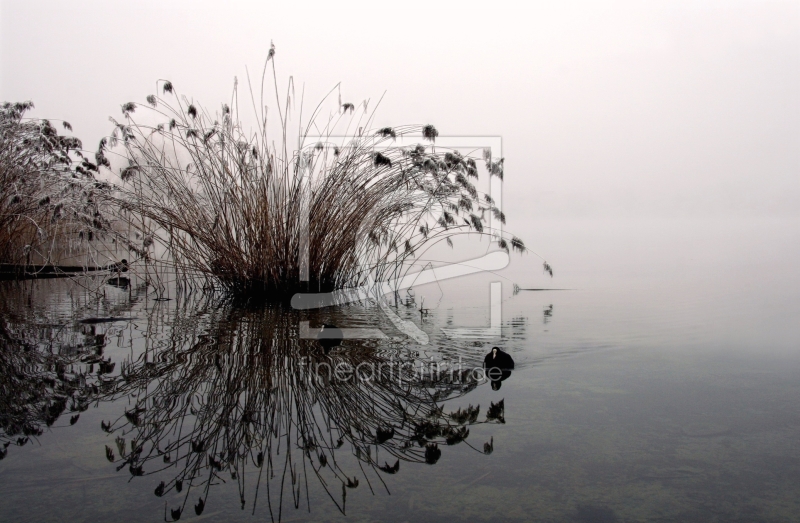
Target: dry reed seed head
517	244
167	86
172	124
476	222
454	160
348	107
498	214
424	229
496	168
225	109
128	108
429	132
382	161
192	110
67	126
387	132
318	146
503	244
128	172
547	268
151	99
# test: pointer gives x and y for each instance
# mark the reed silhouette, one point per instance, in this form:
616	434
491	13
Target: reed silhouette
244	212
52	206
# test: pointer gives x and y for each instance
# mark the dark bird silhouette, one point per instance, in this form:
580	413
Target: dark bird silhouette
198	509
329	337
498	365
393	469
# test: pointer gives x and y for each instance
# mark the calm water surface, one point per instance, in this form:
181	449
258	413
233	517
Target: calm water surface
663	386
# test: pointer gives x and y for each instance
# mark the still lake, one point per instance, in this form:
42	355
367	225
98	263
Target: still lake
663	384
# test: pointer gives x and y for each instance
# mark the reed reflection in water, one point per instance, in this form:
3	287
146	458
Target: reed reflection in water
219	391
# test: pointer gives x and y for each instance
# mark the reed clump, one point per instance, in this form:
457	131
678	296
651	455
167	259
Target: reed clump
252	212
50	200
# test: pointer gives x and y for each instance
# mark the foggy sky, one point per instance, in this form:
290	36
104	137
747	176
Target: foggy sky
642	109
